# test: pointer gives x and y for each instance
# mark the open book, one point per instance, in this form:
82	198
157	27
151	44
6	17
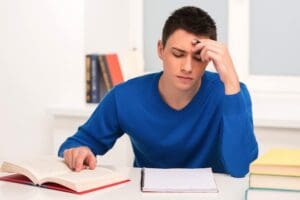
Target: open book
178	180
53	173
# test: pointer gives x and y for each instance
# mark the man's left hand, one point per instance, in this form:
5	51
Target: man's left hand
211	50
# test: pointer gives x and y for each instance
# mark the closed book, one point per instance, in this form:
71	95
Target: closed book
264	194
274	182
95	78
52	173
88	79
105	72
114	69
285	162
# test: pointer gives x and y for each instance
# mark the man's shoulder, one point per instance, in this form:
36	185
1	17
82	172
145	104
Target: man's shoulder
212	76
212	79
138	83
143	78
215	83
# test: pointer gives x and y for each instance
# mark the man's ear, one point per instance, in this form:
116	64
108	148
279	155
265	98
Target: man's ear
160	49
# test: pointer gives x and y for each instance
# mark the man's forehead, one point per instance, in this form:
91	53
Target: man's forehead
183	39
181	45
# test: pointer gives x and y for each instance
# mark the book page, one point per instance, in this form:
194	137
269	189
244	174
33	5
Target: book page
179	180
86	179
37	168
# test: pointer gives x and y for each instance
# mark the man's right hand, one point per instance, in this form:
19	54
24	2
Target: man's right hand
79	158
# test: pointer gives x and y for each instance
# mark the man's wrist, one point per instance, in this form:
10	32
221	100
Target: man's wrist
232	87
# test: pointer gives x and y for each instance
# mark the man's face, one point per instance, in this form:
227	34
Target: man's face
183	68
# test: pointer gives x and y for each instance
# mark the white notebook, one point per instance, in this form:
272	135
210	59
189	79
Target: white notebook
178	180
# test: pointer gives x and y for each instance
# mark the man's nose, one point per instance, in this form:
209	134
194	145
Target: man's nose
187	65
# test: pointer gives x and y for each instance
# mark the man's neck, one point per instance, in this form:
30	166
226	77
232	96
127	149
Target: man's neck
175	98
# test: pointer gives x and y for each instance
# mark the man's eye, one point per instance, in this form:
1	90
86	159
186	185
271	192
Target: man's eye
177	55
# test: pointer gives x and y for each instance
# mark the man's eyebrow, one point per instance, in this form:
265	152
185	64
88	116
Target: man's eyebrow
177	49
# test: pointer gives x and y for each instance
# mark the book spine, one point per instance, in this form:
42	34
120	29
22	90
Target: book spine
95	79
142	179
104	72
88	79
114	69
246	194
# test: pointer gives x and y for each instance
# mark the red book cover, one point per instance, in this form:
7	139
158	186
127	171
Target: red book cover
18	178
114	69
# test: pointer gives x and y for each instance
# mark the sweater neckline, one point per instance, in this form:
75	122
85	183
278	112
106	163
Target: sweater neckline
165	106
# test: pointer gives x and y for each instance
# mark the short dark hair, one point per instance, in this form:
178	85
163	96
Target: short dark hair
191	19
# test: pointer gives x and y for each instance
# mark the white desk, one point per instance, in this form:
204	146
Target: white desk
229	189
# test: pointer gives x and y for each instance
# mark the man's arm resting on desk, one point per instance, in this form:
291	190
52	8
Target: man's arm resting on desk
239	147
95	137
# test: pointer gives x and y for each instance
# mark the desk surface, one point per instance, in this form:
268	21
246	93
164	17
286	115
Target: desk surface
229	189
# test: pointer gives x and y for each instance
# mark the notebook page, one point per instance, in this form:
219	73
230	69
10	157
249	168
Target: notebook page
179	180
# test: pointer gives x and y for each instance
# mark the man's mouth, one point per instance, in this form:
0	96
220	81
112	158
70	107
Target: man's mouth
185	77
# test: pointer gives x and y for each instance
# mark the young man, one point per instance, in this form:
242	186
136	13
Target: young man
183	117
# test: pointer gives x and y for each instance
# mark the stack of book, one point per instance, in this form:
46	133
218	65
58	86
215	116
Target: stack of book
275	175
103	71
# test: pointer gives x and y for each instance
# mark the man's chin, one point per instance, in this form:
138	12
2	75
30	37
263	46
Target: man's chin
187	87
184	87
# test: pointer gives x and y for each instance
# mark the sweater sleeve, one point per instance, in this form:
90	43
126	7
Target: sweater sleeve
101	130
238	145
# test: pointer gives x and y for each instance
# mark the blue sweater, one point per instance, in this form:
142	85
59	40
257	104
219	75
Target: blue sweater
213	130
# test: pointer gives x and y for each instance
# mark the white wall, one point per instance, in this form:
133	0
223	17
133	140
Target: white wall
42	49
106	26
41	62
268	138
